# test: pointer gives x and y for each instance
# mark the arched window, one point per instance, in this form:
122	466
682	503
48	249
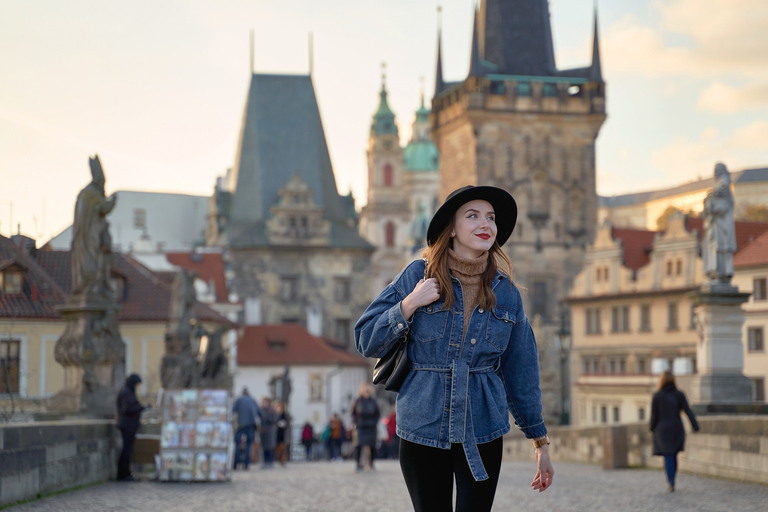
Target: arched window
387	175
389	234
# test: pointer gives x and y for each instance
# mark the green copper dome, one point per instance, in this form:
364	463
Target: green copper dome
384	119
421	156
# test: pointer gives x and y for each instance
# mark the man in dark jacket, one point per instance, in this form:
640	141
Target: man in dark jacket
128	414
247	419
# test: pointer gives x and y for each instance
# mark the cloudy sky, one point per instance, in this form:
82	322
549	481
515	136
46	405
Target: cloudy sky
157	87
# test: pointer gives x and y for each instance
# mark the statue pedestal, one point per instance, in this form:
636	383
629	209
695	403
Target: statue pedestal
93	356
720	353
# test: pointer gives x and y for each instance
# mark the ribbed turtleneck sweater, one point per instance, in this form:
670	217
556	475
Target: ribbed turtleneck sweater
469	272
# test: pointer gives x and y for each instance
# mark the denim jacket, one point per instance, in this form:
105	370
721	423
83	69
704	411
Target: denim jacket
460	385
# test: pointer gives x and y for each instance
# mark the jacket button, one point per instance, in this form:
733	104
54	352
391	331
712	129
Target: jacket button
399	325
480	311
473	341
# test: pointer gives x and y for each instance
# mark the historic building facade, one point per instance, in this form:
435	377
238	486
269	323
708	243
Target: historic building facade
292	241
518	122
403	185
632	316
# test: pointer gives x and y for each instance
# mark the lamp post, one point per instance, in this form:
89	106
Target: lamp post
563	345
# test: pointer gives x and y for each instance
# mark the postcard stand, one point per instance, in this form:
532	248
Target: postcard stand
196	442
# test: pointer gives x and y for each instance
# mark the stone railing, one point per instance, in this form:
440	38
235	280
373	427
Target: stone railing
44	457
734	447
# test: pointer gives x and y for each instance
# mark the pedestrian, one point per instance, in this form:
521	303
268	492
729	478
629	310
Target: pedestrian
283	427
666	425
393	442
247	421
335	437
365	416
268	431
472	351
128	414
308	439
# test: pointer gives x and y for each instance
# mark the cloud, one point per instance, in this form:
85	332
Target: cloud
720	37
719	98
752	136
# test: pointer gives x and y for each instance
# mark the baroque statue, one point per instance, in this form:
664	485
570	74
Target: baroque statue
92	257
719	242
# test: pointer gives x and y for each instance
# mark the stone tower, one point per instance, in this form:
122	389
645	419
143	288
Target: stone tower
384	220
518	122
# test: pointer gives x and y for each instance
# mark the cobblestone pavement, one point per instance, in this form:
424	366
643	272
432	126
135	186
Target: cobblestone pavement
324	486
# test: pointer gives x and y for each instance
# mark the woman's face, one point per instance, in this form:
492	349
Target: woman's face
475	227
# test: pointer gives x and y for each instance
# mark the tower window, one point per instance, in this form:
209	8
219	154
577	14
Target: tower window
389	234
387	175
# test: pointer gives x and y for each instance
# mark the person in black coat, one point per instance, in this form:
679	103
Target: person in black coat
365	415
666	425
128	414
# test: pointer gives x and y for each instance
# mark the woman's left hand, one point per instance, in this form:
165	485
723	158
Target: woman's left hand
543	479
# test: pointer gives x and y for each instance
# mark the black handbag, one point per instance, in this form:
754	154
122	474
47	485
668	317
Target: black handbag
392	369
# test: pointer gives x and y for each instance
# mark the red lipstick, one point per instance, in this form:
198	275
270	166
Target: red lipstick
484	236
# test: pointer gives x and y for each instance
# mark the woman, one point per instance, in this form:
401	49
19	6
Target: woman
666	425
473	356
365	415
281	453
268	432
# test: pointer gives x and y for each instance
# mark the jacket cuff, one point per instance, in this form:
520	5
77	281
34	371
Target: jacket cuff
397	321
533	431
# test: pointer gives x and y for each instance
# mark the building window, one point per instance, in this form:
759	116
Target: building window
673	323
641	365
615	414
645	318
679	267
343	330
692	321
603	414
341	289
389	234
620	319
387	175
590	365
10	364
316	388
669	268
289	288
549	90
593	320
758	389
594	414
755	339
759	289
524	88
10	281
140	218
540	299
497	87
641	414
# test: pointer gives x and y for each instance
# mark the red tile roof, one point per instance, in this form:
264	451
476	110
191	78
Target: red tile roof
637	244
209	267
746	232
146	296
753	254
289	344
39	294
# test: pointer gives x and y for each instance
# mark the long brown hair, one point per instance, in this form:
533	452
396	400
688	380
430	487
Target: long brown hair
666	378
437	266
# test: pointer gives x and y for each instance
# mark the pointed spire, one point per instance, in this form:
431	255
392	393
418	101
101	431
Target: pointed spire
475	66
596	71
439	84
384	118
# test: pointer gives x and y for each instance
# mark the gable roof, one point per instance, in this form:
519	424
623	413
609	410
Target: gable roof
147	297
39	294
637	245
258	346
209	267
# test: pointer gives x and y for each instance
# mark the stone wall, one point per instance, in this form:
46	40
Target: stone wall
734	447
45	457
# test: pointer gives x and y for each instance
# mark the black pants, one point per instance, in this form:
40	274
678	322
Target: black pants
124	462
359	451
429	474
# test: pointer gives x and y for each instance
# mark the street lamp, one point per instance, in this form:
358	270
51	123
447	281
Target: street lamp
563	345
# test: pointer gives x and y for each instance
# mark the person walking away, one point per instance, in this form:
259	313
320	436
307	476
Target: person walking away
472	351
308	439
283	424
335	437
365	415
393	442
247	419
667	426
268	431
128	415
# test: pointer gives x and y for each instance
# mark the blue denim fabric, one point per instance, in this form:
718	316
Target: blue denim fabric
460	386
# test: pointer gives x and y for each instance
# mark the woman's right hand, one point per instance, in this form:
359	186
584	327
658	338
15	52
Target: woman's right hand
424	293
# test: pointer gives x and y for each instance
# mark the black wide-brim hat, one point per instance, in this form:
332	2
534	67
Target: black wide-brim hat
504	206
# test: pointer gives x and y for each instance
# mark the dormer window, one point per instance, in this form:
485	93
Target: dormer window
277	345
117	283
11	281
